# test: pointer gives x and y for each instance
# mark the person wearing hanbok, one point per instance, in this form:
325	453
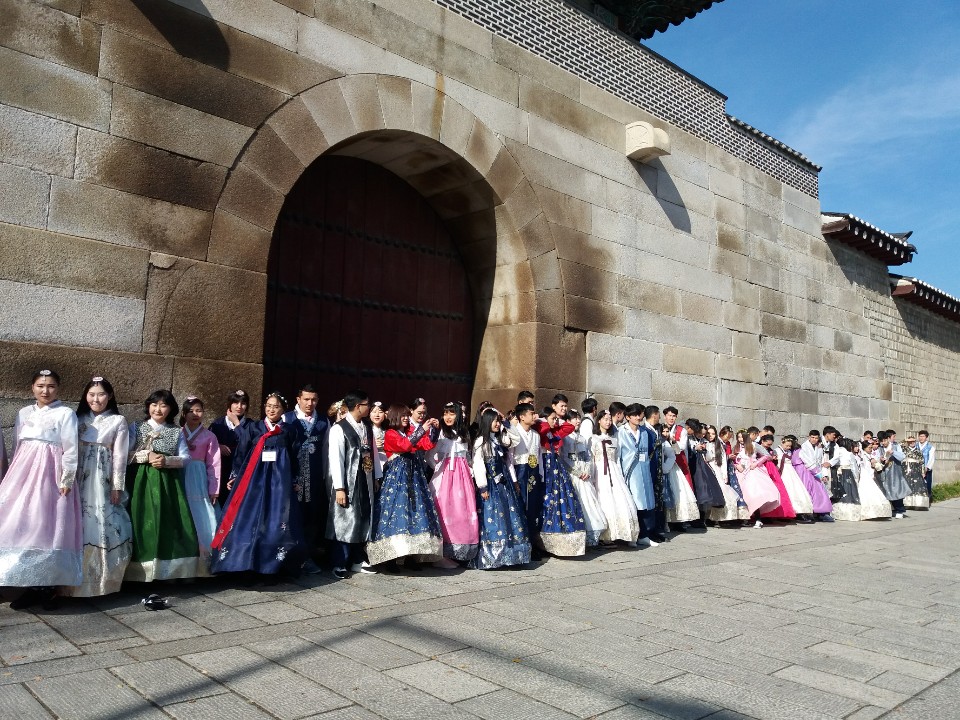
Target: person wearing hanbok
228	429
562	529
616	501
261	530
41	532
726	436
685	509
914	470
379	424
452	487
201	475
926	448
405	522
764	450
165	544
677	434
577	457
889	468
759	492
636	446
873	503
588	425
846	490
101	485
662	492
801	499
715	458
819	497
705	485
504	539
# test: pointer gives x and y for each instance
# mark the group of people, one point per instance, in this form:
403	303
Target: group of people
89	501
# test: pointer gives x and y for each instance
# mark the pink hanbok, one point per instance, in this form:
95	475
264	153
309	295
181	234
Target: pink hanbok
455	496
201	479
759	492
41	531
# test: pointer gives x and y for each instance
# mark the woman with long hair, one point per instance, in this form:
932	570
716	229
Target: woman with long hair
715	458
228	428
759	492
101	485
614	496
201	476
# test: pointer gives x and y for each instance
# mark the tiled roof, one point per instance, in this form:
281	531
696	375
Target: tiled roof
769	139
891	248
642	18
917	291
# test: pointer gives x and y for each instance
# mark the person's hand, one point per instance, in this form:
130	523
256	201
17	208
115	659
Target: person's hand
115	497
433	423
485	494
230	483
157	460
342	498
225	451
213	499
585	476
64	492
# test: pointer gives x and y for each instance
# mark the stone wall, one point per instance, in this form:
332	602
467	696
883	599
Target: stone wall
146	149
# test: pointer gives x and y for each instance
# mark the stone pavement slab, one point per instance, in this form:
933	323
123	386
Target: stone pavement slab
850	621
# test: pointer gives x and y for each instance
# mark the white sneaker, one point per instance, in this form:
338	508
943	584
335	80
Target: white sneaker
899	516
647	542
363	567
758	524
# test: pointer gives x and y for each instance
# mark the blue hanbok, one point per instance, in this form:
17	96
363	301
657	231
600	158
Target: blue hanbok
405	521
635	458
261	529
562	531
504	539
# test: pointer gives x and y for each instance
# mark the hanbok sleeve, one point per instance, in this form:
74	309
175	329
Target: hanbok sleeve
70	442
897	453
212	461
929	466
336	454
135	455
395	442
479	467
121	446
183	453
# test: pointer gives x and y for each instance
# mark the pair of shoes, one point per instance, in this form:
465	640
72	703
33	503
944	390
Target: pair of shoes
364	568
758	524
311	568
658	537
805	520
28	598
340	573
647	542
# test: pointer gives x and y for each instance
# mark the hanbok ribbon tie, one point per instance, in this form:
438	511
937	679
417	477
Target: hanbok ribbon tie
236	497
606	461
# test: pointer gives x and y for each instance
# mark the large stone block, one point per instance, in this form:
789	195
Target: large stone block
271	21
648	296
40	257
237	243
548	171
101	213
682	388
565	112
178	322
47	33
180	129
523	62
471	68
621	350
784	328
329	109
742	318
133	375
70	317
269	157
24	194
589	282
165	74
250	197
586	314
751	395
505	359
741	368
565	210
37	142
54	90
142	170
746	344
620	381
688	333
584	249
701	307
678	359
560	358
513	309
214	380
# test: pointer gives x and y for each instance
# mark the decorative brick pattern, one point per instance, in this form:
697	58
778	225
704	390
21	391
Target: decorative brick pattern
585	47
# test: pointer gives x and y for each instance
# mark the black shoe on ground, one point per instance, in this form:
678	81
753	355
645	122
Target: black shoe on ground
340	573
28	598
657	537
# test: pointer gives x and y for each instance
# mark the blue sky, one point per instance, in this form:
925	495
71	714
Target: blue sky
869	90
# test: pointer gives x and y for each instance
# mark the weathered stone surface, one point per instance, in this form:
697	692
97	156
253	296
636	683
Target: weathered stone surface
122	218
155	71
24	194
740	368
593	315
71	317
689	361
248	196
295	126
41	257
237	243
143	170
46	33
269	157
561	110
179	323
36	141
648	296
180	129
214	380
329	109
71	696
54	90
782	327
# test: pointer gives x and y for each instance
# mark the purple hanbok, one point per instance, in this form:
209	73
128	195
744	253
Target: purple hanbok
818	493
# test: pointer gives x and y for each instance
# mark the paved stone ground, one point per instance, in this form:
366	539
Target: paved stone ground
847	620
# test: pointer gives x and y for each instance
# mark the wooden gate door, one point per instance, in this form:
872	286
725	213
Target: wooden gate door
366	290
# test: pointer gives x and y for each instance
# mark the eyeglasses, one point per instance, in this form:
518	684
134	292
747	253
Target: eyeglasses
363	404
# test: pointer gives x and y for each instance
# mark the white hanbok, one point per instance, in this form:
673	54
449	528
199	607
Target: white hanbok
576	456
733	507
616	500
799	497
686	508
873	503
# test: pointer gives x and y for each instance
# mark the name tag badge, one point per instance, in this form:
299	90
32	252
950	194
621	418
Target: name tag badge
269	456
643	457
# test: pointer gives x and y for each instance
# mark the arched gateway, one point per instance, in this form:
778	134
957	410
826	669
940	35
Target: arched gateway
350	178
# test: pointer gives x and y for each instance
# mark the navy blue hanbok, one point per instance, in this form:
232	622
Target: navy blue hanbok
504	539
562	532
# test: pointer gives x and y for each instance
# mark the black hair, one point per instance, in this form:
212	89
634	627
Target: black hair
882	435
459	430
548	411
416	402
846	443
769	429
522	408
617	407
670	409
308	388
45	373
278	397
238	396
588	405
753	429
353	398
485	428
890	431
923	432
764	438
188	405
633	409
164	396
650	411
718	450
559	397
612	430
523	396
573	415
813	433
830	429
84	407
694	424
870	432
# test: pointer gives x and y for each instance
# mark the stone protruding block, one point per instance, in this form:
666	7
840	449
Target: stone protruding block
646	142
